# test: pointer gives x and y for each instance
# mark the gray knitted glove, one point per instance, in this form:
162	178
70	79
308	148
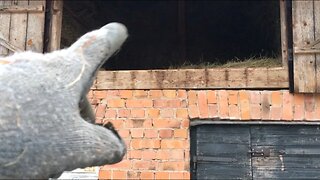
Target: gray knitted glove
42	132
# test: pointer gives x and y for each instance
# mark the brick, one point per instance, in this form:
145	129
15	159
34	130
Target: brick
139	103
100	94
255	97
185	123
139	123
140	93
287	106
177	154
171	166
172	144
124	133
165	133
167	113
233	97
154	94
203	104
124	164
117	174
255	111
137	113
187	154
149	154
161	175
182	113
118	124
133	175
212	97
276	98
125	94
115	103
176	175
135	154
166	123
136	144
163	154
317	113
150	133
193	111
186	175
112	93
100	111
298	99
141	164
167	103
244	105
169	93
110	113
298	112
181	133
182	94
234	112
275	113
105	174
136	132
223	104
309	102
147	175
213	110
317	110
150	143
153	113
184	103
192	97
265	106
123	113
309	115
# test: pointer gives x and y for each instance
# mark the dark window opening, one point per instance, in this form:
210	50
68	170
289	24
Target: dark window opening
166	34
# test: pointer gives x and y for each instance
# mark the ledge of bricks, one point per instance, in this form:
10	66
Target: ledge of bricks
155	123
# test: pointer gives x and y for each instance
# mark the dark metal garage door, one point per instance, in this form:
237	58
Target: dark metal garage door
255	151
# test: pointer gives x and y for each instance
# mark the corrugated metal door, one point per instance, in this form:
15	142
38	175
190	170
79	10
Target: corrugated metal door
255	152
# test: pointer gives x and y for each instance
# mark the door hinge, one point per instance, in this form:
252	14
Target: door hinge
260	152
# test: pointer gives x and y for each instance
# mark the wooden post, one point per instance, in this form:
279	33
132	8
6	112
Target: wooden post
54	26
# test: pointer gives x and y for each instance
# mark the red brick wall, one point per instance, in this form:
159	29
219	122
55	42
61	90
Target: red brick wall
155	123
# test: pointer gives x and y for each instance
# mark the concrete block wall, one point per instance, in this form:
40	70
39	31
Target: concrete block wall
155	123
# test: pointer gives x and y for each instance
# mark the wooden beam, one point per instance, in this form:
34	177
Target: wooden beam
55	26
224	78
283	28
21	9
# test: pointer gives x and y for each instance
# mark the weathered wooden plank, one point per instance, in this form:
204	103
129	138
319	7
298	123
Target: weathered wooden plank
317	36
19	26
284	40
22	9
225	151
303	34
55	28
35	28
5	27
265	78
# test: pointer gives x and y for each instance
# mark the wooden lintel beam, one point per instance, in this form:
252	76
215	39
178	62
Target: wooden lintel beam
224	78
21	9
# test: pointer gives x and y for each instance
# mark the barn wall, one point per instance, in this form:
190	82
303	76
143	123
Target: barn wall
155	123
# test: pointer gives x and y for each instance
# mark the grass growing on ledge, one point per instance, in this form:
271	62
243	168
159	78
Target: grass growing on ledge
253	62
